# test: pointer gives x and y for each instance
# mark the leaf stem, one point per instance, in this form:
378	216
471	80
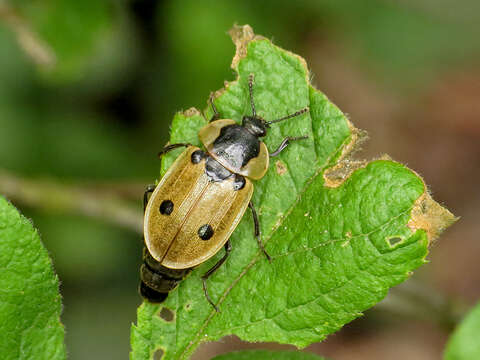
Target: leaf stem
30	42
95	200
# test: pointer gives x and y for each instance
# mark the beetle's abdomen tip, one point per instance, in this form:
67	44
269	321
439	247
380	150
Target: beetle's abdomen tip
150	294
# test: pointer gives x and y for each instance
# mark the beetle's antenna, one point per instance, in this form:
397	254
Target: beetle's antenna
299	112
250	90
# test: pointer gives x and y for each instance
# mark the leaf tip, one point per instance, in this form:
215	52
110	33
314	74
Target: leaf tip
430	216
191	112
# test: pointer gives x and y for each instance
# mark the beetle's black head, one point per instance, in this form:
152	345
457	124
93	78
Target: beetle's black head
255	125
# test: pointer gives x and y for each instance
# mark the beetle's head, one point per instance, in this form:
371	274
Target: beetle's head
255	125
258	126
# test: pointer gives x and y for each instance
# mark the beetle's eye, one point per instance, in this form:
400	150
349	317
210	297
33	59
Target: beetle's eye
166	207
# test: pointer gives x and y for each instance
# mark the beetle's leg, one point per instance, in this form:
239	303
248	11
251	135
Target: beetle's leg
150	188
216	115
250	91
285	143
228	248
171	147
257	231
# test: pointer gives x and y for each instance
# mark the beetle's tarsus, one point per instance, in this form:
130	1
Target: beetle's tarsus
205	291
228	248
258	234
216	115
269	258
285	142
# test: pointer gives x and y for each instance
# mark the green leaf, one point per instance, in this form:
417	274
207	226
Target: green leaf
464	344
267	355
30	304
339	239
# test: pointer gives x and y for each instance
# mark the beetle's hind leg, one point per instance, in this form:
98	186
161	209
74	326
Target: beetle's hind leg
257	230
228	248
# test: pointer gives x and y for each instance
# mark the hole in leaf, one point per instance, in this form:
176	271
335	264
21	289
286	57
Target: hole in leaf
166	314
394	241
158	354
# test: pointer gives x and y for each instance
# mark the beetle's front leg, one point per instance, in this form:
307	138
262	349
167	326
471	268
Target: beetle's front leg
257	231
171	147
228	248
285	143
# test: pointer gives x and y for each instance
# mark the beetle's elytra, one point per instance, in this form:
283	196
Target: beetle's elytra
201	199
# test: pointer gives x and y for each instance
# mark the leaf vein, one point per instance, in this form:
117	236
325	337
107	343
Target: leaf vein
348	281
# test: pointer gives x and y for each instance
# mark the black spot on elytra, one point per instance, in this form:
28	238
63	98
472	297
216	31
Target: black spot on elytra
238	182
166	207
197	156
205	232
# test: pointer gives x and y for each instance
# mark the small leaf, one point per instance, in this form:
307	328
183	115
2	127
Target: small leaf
327	222
30	304
267	355
464	343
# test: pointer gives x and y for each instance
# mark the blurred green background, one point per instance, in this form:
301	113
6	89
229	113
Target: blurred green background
88	89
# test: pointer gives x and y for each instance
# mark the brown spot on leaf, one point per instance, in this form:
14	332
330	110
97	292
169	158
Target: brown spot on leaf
430	216
192	112
281	168
337	174
166	314
241	36
158	354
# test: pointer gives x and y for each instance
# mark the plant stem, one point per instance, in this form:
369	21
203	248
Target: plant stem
30	42
95	201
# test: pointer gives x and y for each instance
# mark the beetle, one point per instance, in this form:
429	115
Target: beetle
199	202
